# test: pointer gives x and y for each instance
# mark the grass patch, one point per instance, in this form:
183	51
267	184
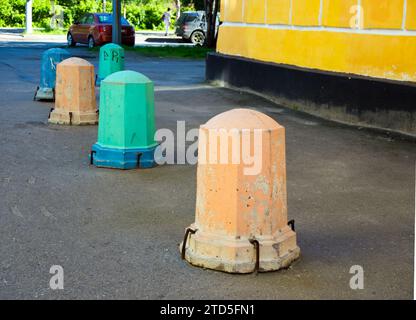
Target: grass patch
173	52
97	49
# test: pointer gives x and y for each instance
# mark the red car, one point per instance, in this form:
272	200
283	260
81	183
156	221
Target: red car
96	28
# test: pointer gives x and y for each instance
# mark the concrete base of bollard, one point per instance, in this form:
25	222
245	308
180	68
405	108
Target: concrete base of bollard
73	118
239	255
45	94
118	158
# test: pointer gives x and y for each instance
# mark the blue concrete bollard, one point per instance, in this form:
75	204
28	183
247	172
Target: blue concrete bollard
50	58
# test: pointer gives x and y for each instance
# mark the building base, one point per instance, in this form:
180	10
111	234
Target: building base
129	158
73	118
217	252
346	98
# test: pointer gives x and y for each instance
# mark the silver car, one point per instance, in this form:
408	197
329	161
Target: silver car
191	26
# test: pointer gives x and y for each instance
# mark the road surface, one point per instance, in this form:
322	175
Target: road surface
116	233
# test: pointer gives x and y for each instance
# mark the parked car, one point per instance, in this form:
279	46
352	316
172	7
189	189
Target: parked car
96	29
192	26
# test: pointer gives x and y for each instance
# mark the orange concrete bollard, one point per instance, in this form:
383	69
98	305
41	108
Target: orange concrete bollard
74	93
241	215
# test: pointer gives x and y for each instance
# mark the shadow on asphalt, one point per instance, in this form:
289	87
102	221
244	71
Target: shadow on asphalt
165	40
11	30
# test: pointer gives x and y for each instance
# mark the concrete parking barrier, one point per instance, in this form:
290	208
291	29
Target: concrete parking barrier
241	222
75	93
111	60
50	58
127	122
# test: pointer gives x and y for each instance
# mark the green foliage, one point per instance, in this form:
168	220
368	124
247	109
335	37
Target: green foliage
12	13
146	16
196	4
142	14
75	9
41	13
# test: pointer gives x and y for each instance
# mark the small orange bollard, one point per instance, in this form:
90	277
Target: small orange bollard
74	93
241	221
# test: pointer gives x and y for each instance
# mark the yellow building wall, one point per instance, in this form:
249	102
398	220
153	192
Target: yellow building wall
278	11
338	13
411	15
232	10
382	14
369	55
305	12
254	11
319	35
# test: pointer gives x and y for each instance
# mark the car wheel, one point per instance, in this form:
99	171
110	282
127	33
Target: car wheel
91	42
198	38
70	40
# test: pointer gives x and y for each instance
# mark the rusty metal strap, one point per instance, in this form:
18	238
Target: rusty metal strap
185	239
139	155
34	97
291	223
50	111
92	156
256	245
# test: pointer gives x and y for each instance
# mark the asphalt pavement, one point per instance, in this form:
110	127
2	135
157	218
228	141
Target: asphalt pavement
116	233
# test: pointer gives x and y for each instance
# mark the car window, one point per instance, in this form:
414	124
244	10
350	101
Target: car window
90	19
191	17
181	19
108	19
83	19
187	17
105	18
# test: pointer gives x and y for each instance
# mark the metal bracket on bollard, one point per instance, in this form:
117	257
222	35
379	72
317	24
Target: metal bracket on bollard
139	155
291	223
256	245
92	156
185	239
50	111
34	97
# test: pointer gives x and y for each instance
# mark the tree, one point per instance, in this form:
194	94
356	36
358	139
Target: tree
178	8
211	12
28	19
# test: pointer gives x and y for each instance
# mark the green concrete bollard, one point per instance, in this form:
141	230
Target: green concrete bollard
111	60
126	126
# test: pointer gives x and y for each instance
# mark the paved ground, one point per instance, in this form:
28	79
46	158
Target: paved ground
116	233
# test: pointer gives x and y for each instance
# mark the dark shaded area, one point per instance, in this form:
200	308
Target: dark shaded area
12	30
364	98
166	40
